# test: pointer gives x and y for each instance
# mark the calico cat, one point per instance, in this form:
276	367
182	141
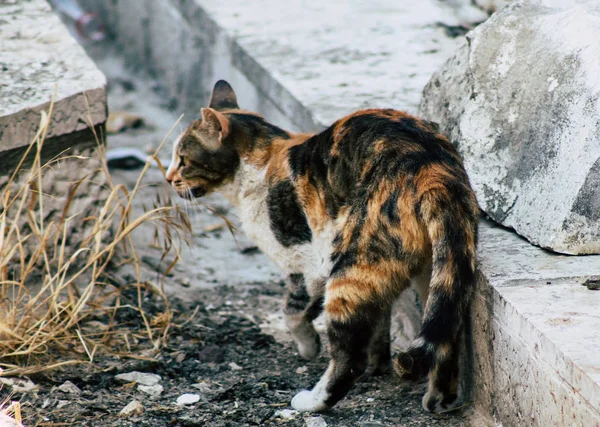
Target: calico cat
351	215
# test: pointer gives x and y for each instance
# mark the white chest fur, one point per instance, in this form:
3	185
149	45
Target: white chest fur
248	192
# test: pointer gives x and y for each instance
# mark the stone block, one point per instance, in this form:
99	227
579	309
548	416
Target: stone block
39	59
520	100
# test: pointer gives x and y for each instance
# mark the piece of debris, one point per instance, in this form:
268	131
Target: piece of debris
118	121
133	408
250	250
125	158
315	422
592	284
19	385
188	399
302	370
153	390
203	387
62	403
235	367
69	387
142	378
454	31
286	414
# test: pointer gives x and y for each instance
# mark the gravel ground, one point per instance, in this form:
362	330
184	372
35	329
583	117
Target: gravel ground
236	374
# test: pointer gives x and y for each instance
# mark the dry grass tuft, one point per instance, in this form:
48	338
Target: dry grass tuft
58	305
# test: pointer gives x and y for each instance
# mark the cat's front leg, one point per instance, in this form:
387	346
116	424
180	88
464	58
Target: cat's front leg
352	325
348	345
300	310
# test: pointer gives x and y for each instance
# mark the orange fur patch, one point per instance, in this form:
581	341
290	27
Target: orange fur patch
363	284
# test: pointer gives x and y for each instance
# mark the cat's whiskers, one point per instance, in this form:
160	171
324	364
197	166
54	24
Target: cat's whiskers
186	202
188	210
190	199
196	204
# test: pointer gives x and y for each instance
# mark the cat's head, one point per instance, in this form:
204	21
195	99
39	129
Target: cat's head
205	155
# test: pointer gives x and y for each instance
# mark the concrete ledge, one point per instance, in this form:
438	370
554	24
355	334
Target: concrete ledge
38	56
534	327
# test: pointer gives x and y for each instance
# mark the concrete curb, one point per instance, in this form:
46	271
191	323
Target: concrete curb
39	56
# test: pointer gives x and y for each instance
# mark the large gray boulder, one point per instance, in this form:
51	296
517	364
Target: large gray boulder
521	100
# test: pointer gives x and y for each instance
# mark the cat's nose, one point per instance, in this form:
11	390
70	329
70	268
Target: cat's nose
171	174
175	182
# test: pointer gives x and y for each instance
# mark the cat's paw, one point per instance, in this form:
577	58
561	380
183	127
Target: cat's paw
309	401
309	346
435	402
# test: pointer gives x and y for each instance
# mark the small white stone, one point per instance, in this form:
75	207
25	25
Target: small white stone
286	414
315	422
302	370
188	399
142	378
133	408
370	399
153	390
235	367
69	387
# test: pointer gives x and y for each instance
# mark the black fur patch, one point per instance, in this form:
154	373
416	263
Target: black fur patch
288	221
298	298
312	159
390	207
255	129
312	155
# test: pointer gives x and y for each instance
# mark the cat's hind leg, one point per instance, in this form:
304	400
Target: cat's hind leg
300	310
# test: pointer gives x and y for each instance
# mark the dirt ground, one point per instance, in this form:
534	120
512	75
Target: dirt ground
241	375
234	354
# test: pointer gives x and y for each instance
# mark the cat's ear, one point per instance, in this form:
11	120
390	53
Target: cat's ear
223	97
214	128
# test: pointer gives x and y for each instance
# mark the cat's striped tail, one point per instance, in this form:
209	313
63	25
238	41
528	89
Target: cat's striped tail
451	224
